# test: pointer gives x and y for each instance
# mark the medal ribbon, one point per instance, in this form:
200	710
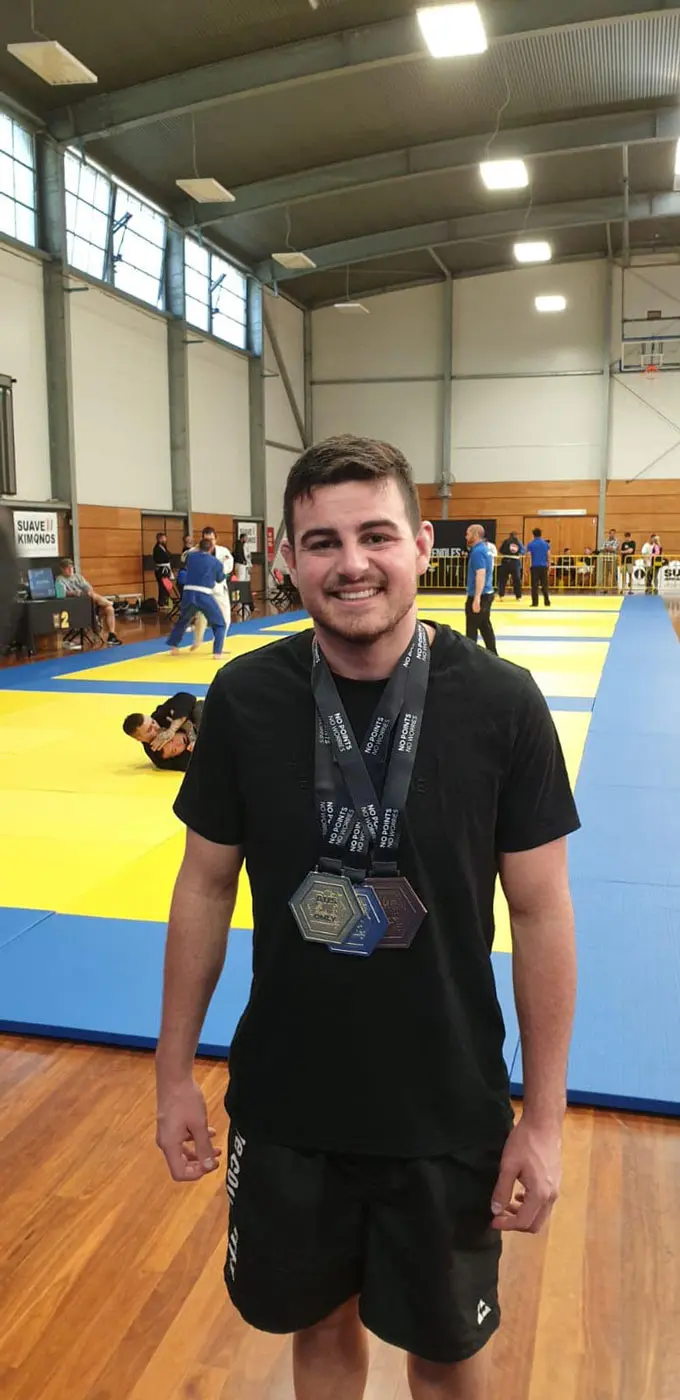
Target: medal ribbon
354	821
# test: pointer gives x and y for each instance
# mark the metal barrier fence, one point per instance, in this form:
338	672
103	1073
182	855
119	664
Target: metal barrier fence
604	573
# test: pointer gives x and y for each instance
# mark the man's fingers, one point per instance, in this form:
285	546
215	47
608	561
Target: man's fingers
503	1191
530	1217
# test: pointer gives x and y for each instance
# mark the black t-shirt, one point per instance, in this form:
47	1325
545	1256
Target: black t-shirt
179	706
511	549
399	1054
629	547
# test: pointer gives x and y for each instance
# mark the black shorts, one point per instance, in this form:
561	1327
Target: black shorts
412	1238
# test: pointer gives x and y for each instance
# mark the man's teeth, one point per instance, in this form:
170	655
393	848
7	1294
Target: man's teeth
355	596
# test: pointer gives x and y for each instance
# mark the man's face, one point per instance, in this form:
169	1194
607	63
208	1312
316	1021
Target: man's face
69	570
356	562
470	537
211	538
612	534
148	730
174	746
163	539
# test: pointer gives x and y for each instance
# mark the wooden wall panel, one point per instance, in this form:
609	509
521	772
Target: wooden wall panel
638	506
111	548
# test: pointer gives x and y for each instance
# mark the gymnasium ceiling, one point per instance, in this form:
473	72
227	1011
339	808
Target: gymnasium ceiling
342	137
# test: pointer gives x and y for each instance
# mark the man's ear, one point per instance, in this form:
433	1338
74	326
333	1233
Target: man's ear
289	555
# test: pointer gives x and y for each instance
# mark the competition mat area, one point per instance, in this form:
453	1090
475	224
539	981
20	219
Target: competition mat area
91	847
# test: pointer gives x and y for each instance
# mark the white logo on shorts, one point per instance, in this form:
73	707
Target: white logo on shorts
233	1253
483	1311
234	1168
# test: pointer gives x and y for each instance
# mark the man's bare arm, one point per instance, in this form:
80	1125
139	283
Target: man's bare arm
536	886
202	908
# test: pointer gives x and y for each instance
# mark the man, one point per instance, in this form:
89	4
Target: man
480	589
187	544
222	596
73	585
203	572
628	552
566	568
512	551
162	567
372	1161
168	735
539	551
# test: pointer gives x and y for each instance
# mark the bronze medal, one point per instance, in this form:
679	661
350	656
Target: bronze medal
403	909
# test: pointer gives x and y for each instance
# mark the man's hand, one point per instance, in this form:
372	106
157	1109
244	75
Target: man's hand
182	1120
476	605
532	1157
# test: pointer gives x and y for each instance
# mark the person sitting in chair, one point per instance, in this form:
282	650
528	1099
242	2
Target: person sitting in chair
69	584
169	734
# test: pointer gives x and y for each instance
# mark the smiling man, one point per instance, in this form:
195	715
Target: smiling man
375	773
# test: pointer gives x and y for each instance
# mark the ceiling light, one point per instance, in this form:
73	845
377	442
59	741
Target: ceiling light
52	62
504	174
296	262
533	252
206	191
450	31
551	303
352	308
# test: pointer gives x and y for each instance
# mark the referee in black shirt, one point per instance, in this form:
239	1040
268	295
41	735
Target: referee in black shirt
372	1164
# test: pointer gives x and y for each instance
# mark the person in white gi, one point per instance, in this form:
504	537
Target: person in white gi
221	590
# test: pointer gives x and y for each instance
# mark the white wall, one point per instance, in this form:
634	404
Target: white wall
219	429
401	340
22	355
509	424
120	393
646	411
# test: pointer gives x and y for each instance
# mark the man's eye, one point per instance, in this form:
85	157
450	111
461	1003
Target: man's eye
322	544
377	539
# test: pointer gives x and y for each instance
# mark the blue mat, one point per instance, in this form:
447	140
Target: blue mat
100	980
625	866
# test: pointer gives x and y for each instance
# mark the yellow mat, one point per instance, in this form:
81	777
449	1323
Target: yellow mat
198	666
87	825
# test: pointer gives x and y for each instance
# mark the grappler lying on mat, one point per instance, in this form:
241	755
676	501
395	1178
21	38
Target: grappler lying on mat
169	734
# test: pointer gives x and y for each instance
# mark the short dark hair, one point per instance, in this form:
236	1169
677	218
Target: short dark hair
349	458
537	533
132	724
66	564
205	546
162	535
627	535
208	530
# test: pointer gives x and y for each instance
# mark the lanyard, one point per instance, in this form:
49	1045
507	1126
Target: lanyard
354	820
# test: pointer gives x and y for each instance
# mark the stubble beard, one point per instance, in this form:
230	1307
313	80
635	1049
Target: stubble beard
362	632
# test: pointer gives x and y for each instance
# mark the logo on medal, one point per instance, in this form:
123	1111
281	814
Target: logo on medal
326	908
404	910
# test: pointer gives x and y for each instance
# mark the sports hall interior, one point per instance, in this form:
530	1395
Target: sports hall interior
165	356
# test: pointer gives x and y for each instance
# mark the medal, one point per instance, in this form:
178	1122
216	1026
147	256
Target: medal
326	908
402	907
364	939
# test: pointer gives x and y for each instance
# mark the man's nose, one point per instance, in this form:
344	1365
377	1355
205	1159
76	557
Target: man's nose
353	561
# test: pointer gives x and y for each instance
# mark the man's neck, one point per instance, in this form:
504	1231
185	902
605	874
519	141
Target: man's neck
374	661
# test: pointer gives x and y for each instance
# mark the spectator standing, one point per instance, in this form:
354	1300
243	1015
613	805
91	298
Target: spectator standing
628	552
609	561
242	559
162	567
657	560
480	589
70	584
187	544
539	552
512	551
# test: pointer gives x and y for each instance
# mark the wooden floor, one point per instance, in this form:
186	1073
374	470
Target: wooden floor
111	1275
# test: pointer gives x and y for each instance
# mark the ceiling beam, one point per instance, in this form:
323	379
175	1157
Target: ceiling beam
375	45
461	153
473	228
